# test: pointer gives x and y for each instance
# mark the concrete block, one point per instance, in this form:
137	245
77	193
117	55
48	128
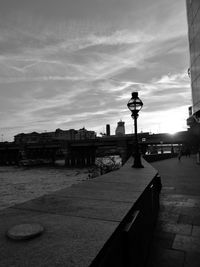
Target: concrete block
64	242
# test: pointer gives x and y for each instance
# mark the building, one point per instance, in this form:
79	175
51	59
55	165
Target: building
83	134
30	138
107	129
65	135
69	135
120	130
193	17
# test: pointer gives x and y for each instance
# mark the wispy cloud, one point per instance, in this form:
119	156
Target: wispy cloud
72	63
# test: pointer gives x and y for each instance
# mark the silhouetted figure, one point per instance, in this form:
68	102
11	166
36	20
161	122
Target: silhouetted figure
179	155
187	152
198	156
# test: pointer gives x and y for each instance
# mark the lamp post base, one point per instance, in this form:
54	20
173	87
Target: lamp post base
137	162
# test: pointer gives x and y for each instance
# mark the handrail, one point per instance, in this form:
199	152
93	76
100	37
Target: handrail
131	222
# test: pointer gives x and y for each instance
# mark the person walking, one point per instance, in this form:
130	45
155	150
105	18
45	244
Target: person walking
179	155
187	152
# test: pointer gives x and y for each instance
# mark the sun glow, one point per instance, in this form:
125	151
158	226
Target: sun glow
170	121
172	129
173	125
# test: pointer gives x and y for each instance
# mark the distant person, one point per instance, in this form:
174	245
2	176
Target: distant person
187	152
179	155
198	156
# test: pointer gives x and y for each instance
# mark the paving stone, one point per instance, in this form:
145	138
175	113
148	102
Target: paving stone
193	211
176	228
166	258
186	243
186	210
190	218
181	200
185	219
177	196
192	259
196	220
163	240
189	203
196	231
168	188
168	216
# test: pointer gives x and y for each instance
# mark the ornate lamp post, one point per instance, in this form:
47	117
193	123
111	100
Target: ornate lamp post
135	105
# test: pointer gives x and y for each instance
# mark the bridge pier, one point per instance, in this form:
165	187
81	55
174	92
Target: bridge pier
79	156
122	147
8	156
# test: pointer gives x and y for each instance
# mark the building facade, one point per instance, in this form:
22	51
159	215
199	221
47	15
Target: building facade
69	135
193	17
120	130
83	134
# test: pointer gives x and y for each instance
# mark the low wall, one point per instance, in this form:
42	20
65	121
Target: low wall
129	244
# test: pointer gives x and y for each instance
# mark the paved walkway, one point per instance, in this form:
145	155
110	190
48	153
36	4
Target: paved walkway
176	242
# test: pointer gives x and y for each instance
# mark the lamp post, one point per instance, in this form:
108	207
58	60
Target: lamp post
135	104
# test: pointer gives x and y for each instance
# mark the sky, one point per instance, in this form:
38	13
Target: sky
74	63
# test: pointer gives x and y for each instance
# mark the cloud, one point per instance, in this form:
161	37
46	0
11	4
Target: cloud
166	93
74	62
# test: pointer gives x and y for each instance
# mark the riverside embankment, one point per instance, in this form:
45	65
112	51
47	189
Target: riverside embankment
85	223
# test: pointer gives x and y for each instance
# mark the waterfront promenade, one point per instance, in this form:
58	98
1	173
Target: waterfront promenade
176	241
79	220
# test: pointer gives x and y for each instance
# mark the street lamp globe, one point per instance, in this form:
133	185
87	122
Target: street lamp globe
135	104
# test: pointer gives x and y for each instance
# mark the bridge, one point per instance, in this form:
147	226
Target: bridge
84	152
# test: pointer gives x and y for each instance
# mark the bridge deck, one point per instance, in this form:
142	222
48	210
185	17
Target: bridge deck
177	237
78	220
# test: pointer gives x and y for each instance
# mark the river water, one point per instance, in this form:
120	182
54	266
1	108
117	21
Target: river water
18	184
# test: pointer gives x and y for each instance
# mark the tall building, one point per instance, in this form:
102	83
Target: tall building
107	129
120	130
193	17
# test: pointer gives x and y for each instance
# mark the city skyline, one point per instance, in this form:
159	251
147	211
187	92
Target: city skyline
69	64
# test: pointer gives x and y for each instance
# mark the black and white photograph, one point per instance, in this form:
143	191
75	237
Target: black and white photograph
99	133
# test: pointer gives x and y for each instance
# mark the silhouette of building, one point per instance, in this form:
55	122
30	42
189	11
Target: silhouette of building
193	17
59	134
33	137
83	134
120	130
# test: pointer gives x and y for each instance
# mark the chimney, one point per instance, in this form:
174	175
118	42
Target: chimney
107	129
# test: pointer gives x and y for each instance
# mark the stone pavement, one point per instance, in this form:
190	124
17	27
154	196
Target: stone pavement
176	241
